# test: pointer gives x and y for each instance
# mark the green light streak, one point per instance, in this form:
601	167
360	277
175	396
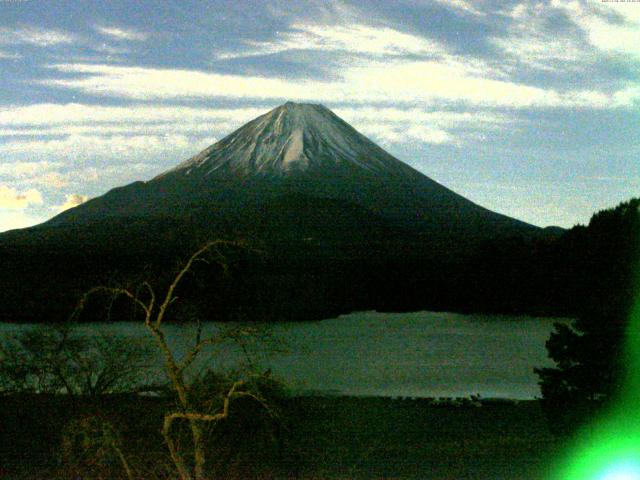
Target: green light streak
609	449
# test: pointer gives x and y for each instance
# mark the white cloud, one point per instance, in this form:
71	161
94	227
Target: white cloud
357	39
9	56
399	134
97	146
617	36
94	163
12	199
187	128
119	33
426	82
34	173
444	119
360	45
542	52
596	30
431	82
41	173
628	96
109	50
53	180
426	134
26	169
462	5
50	114
12	219
32	35
72	200
397	126
382	133
108	161
150	83
532	40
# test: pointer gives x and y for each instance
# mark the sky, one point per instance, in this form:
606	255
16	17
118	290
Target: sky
529	108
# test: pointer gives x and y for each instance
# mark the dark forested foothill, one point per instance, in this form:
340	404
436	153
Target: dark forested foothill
301	273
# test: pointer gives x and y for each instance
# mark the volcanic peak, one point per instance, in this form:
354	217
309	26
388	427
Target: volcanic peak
291	138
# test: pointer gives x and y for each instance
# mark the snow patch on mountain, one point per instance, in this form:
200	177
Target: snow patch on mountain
291	138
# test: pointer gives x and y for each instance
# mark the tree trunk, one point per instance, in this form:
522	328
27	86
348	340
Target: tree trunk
198	449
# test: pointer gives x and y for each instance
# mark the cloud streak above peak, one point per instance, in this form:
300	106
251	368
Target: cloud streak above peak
120	33
354	38
426	82
36	36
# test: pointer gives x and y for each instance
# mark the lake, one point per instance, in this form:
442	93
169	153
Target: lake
420	354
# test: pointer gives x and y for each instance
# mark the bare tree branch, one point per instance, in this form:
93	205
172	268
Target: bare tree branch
176	369
216	417
187	267
193	353
115	292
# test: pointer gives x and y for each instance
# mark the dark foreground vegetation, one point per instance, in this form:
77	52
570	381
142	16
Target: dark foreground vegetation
45	436
193	430
592	366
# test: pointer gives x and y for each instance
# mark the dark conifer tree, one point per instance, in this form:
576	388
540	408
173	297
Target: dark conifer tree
589	353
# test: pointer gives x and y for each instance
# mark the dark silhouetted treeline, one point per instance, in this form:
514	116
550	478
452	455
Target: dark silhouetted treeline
303	263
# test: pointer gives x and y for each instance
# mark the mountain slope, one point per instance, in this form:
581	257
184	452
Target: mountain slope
306	150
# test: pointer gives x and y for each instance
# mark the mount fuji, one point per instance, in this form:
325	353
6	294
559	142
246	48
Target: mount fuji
343	226
297	151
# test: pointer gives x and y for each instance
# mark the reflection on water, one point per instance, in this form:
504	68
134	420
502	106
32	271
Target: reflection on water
421	354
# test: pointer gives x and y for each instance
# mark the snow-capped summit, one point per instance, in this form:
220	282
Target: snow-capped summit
291	138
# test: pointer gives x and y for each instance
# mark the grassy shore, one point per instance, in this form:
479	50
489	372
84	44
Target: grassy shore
319	437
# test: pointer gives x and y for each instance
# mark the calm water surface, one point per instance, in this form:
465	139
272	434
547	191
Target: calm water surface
409	354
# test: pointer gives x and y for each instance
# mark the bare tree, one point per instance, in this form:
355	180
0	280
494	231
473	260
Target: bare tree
154	307
62	359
